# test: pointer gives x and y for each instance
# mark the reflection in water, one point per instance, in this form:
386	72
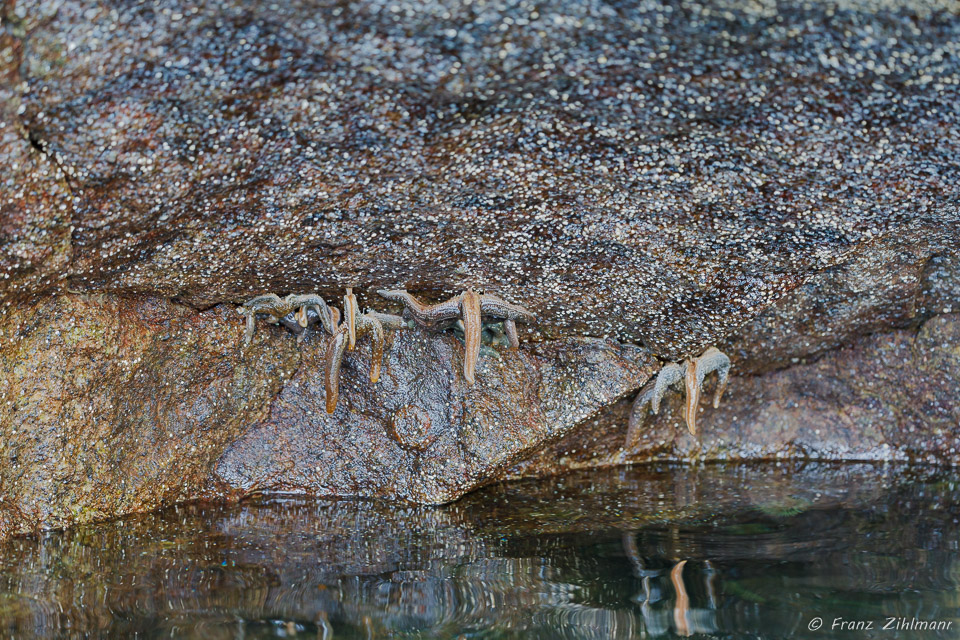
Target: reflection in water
742	551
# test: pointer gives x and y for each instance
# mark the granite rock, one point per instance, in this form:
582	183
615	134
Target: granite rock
776	178
111	405
883	397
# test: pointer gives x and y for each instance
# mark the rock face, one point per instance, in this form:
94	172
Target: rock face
111	405
887	396
422	433
657	174
35	202
777	179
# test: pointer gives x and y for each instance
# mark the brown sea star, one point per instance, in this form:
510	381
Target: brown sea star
292	312
692	372
473	309
350	313
370	322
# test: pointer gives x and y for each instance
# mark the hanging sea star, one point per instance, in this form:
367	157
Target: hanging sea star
473	309
370	322
692	372
293	312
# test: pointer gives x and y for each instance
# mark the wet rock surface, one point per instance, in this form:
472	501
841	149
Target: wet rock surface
422	433
111	405
890	396
778	179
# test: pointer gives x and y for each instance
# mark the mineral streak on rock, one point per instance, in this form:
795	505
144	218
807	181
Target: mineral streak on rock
648	172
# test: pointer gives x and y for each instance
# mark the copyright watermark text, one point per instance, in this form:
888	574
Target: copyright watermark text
890	623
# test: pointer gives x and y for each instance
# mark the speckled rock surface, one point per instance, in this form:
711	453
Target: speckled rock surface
655	173
779	179
899	283
112	405
35	202
890	396
422	434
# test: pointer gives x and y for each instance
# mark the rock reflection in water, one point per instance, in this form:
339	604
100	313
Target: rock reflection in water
661	551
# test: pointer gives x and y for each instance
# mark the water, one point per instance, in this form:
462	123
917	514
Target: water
657	552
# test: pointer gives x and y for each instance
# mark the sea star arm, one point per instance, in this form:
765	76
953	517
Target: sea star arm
714	360
269	303
350	313
336	347
472	325
264	302
496	307
636	414
248	334
369	324
510	328
669	375
693	396
315	314
424	314
697	369
312	301
388	320
651	394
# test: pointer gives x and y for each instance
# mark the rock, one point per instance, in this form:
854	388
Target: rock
112	405
623	172
35	202
884	397
899	283
422	434
780	180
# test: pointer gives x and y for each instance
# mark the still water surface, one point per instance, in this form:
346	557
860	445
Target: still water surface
644	552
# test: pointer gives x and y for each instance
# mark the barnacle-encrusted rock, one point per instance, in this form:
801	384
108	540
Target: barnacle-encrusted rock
661	183
776	179
886	396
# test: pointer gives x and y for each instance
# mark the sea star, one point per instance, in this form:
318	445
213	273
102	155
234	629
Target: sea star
304	303
350	312
470	307
269	304
369	322
292	312
692	372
